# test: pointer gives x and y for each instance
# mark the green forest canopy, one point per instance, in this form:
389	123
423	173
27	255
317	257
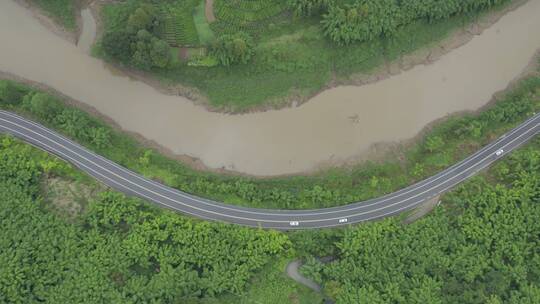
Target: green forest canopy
120	250
483	246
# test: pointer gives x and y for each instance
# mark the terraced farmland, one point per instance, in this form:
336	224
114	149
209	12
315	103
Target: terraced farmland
246	15
178	26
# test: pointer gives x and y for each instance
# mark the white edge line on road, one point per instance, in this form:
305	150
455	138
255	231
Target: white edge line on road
193	207
387	197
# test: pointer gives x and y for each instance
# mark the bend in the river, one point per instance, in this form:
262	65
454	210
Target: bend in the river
336	125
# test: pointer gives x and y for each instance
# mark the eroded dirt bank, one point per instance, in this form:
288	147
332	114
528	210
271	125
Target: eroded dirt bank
335	126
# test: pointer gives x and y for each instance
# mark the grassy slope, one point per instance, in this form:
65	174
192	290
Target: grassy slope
293	58
62	11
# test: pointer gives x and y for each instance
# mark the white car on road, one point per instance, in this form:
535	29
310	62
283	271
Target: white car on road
294	223
499	152
343	220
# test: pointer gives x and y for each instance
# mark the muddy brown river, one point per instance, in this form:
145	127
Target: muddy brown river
89	33
336	125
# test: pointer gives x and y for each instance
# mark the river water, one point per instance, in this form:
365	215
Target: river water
336	125
89	31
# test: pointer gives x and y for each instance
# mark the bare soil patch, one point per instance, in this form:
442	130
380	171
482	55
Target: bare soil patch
68	198
422	210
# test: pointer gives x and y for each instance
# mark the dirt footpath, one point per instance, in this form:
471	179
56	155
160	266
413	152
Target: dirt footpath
209	11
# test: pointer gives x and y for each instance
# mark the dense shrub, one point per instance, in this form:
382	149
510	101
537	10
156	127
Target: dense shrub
232	49
136	41
483	248
17	168
70	121
308	7
150	51
145	17
42	104
365	20
11	93
117	45
119	251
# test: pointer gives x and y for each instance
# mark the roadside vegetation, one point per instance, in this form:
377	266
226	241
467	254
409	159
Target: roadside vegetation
480	246
276	50
445	144
122	250
62	11
99	246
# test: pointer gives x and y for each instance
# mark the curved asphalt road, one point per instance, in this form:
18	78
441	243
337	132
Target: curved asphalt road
132	183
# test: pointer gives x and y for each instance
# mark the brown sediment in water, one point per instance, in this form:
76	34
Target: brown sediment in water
335	127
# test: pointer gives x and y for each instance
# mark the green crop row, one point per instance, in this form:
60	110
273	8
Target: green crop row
178	26
246	15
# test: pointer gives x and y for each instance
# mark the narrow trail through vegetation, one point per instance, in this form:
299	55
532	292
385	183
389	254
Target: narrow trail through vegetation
209	10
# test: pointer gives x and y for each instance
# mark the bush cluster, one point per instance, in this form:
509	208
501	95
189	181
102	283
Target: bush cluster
136	42
72	122
365	20
233	49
